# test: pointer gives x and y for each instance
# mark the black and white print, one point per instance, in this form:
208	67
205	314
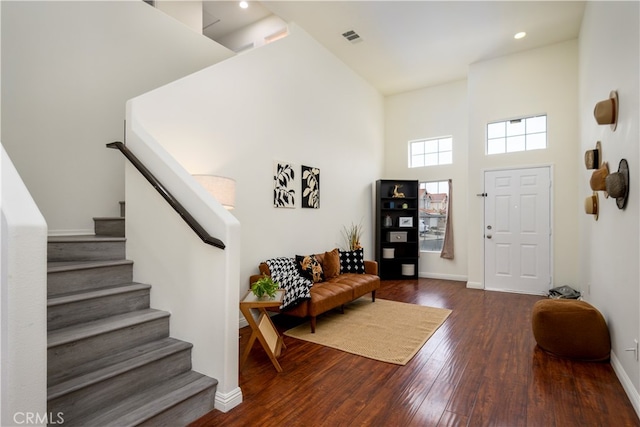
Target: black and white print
310	187
284	195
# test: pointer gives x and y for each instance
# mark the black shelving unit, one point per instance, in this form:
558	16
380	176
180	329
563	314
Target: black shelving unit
397	237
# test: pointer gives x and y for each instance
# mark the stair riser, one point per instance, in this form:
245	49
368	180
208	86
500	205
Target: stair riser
87	279
185	412
109	227
61	316
65	356
85	251
94	397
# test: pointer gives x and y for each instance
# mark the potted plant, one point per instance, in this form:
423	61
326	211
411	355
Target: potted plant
352	236
264	287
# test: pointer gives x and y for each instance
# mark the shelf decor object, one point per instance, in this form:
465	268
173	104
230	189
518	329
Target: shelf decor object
396	233
405	221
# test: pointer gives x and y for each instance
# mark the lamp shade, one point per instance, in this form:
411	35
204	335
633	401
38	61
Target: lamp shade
220	187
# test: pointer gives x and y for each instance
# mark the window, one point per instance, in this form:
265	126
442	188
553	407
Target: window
431	152
524	134
433	202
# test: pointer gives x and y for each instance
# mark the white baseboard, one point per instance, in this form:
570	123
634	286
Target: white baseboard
456	277
79	232
626	382
227	401
475	285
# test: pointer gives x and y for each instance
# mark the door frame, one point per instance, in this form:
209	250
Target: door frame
551	217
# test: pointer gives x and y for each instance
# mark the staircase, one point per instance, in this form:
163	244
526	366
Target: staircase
111	361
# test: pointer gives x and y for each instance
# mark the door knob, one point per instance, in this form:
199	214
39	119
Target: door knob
488	236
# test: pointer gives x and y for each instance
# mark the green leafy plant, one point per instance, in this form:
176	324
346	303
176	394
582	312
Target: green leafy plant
352	235
264	286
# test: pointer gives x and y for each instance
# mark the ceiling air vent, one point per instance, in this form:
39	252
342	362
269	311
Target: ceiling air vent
352	36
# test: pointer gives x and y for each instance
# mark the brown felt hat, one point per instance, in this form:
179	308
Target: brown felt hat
617	184
606	112
591	205
592	158
598	178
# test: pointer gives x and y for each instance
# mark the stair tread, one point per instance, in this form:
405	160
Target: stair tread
84	238
108	367
60	266
107	218
149	403
94	293
85	330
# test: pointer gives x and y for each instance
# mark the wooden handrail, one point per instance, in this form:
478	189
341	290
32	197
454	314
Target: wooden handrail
184	214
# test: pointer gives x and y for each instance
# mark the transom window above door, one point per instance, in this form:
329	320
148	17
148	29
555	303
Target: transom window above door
522	134
431	152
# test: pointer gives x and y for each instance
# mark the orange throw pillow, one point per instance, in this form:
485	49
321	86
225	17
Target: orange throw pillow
331	264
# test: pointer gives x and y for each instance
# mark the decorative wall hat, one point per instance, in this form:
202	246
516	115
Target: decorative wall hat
598	178
606	112
592	158
617	184
591	205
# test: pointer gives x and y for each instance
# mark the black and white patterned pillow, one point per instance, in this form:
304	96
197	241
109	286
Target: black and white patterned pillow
285	272
352	261
310	267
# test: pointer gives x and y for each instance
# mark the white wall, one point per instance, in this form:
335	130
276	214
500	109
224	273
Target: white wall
185	11
426	113
609	60
67	70
289	101
254	35
197	283
23	296
529	83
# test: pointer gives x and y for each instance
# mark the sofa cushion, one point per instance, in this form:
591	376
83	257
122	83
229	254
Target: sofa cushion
361	284
328	295
331	264
352	261
310	267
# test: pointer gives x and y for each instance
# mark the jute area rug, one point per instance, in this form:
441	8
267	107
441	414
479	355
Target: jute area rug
384	330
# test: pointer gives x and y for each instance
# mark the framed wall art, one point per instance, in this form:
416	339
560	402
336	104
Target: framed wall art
284	194
405	221
310	187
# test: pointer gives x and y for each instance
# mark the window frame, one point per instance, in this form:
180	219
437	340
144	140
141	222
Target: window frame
525	136
423	228
438	152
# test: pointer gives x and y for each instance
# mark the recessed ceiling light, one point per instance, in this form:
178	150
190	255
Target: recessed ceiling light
520	35
244	4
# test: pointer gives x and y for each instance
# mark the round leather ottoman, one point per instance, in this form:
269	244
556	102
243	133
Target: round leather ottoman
572	329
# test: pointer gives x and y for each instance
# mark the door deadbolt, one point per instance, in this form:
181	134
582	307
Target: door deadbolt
488	227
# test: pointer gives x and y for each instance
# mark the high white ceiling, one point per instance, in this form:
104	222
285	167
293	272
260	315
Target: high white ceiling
407	45
220	18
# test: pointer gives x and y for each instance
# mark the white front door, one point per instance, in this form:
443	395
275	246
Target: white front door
517	230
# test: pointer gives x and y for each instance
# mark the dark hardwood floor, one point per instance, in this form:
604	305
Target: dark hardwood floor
481	368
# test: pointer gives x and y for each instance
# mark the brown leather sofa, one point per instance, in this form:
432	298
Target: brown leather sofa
331	293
